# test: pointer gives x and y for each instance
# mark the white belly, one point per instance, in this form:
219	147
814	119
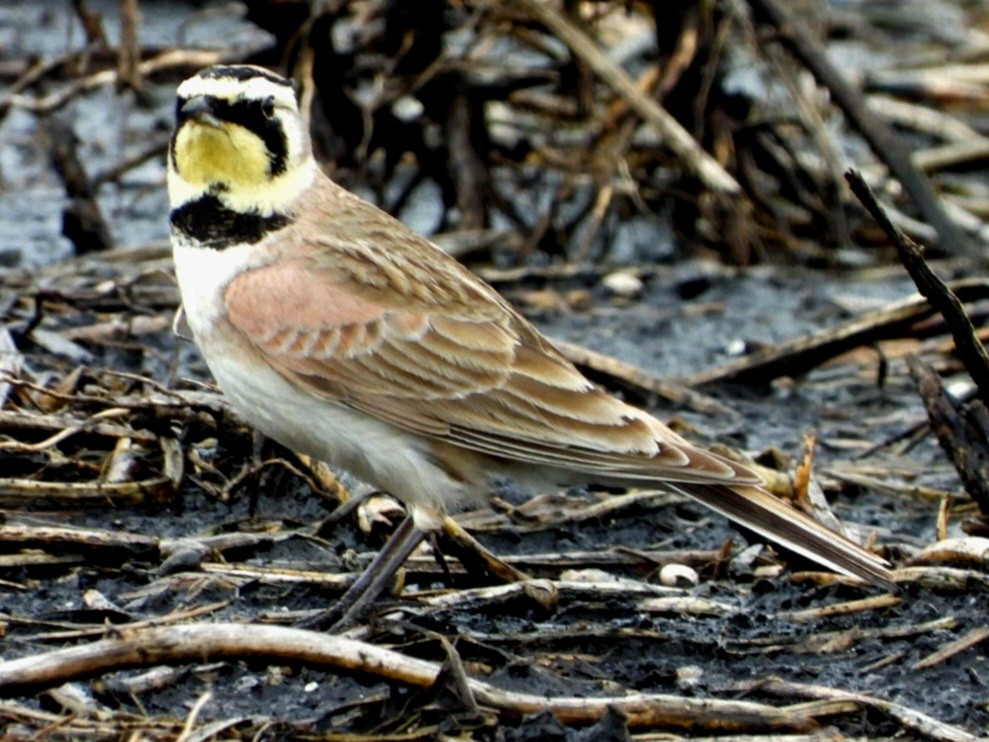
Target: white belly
381	454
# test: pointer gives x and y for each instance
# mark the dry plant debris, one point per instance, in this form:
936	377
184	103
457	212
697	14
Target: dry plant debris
152	549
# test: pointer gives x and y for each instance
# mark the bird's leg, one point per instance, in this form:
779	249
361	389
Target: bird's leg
474	555
371	582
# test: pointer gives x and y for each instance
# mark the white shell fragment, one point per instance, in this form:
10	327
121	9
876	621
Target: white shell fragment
678	575
623	284
966	550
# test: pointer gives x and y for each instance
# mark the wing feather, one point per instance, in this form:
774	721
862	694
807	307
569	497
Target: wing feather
384	324
487	383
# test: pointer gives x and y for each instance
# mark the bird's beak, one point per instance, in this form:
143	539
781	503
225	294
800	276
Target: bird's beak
200	109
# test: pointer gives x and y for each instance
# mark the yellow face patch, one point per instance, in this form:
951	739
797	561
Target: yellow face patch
230	155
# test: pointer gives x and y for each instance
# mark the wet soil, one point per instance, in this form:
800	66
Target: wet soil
589	644
753	642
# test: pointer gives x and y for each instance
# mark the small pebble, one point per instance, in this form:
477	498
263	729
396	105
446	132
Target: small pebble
97	601
408	109
688	676
246	683
623	284
678	575
736	347
743	564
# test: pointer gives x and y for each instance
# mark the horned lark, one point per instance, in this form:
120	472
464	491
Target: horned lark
339	332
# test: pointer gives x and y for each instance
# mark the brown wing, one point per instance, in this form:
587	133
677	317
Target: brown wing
384	323
410	337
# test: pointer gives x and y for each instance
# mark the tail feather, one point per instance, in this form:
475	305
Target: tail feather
770	517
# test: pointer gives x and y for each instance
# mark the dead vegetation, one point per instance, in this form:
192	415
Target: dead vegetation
154	554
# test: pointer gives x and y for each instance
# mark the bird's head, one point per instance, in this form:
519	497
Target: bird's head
239	137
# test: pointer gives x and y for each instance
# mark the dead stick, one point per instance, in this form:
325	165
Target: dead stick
92	24
885	142
206	642
680	142
912	720
129	54
963	443
82	219
971	351
799	355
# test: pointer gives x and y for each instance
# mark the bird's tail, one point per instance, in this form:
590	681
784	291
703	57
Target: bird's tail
771	517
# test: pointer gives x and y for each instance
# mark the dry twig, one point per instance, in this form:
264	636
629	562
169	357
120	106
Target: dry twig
205	642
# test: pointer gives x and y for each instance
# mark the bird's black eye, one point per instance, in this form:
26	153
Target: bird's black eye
268	107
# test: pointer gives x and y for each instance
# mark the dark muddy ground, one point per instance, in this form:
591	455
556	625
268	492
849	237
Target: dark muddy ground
592	643
755	627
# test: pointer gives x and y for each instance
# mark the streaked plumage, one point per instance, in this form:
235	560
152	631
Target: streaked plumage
341	333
